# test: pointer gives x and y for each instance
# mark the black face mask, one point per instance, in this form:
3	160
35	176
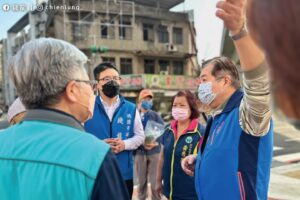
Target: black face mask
111	89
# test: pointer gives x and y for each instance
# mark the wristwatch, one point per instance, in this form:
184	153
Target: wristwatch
243	32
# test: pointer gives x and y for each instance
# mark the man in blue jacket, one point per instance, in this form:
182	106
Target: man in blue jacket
48	155
116	120
235	157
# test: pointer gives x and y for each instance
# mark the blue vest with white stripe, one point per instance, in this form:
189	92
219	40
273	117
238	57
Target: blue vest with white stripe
121	126
233	165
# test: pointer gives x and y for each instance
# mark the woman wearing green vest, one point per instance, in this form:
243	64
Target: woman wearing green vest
180	139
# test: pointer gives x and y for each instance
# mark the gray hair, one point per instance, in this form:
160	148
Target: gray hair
42	68
224	66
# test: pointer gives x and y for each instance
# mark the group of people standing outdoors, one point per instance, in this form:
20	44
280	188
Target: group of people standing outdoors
49	155
121	124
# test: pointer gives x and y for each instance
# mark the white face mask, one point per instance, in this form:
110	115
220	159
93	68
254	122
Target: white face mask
89	107
205	93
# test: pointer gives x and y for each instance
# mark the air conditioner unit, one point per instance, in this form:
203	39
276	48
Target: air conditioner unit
164	73
171	47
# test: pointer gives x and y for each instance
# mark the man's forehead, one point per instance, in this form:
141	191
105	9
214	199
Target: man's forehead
109	72
206	71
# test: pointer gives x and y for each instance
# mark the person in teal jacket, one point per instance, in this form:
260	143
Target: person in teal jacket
48	155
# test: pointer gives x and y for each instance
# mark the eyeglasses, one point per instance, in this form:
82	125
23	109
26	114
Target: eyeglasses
108	79
92	83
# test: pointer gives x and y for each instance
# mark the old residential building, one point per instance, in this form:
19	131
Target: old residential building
1	74
152	46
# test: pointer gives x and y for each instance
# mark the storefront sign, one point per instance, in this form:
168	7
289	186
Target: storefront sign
171	82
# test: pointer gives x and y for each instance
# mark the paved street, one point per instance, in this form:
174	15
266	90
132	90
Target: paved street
285	173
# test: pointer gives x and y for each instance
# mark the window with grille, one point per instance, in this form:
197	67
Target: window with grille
126	65
177	35
148	32
178	68
149	66
125	29
108	59
80	31
107	29
163	34
163	65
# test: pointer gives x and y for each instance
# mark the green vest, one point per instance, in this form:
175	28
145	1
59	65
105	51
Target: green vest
44	160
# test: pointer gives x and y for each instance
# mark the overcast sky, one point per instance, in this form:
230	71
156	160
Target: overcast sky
208	26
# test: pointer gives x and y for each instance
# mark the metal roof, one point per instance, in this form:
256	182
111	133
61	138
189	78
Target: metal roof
167	4
19	25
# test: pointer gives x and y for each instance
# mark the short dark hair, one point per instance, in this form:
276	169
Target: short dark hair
102	67
192	101
223	65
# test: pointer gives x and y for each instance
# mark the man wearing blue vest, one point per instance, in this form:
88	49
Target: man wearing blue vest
48	155
235	157
116	120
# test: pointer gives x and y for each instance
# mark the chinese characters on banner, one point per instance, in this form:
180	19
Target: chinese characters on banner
136	82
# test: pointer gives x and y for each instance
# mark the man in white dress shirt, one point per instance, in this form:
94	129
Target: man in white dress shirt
116	120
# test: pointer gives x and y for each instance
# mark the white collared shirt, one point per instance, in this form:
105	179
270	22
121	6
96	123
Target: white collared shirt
139	136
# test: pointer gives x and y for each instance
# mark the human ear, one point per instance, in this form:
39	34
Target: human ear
72	91
227	80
